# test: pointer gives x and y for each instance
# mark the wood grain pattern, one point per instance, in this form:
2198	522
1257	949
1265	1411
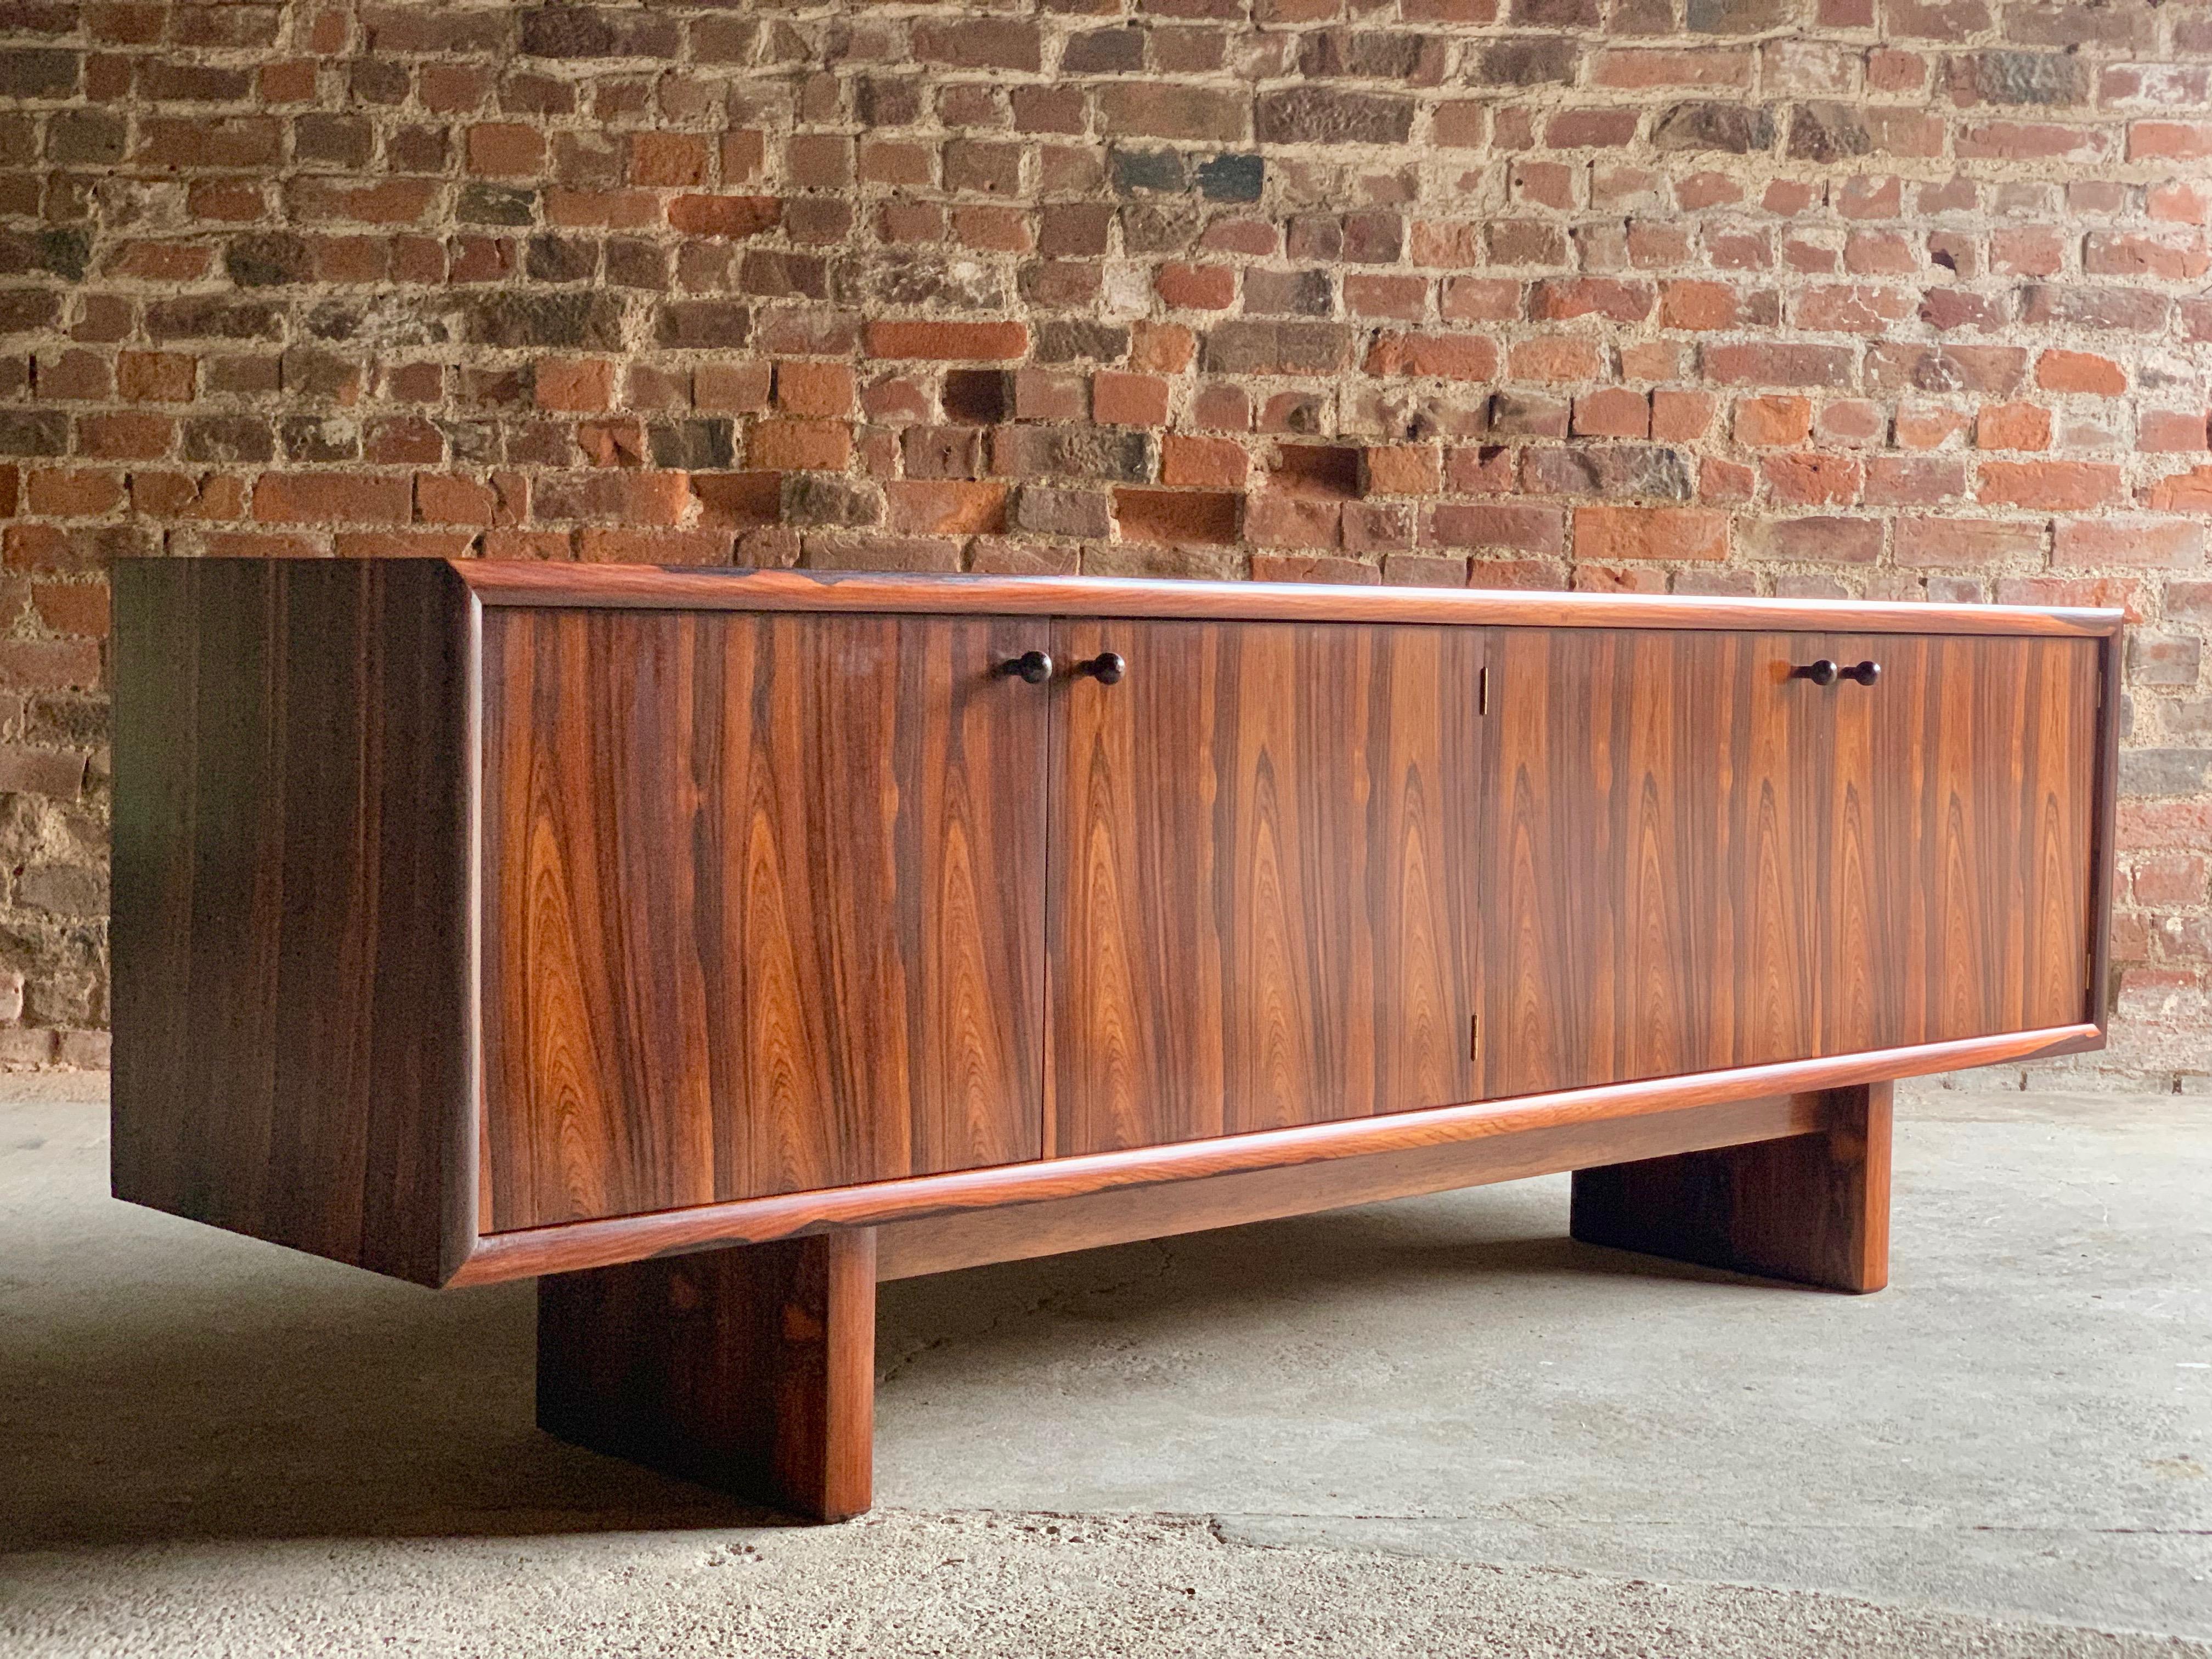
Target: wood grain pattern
1813	1208
517	582
629	1238
1696	861
293	1023
1981	821
1014	1232
2104	850
763	905
1261	888
751	1370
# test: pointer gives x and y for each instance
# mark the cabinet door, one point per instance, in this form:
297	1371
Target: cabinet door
1659	825
1261	898
1697	860
1965	908
763	905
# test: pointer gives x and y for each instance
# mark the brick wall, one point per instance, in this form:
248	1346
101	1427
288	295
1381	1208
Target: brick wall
1896	298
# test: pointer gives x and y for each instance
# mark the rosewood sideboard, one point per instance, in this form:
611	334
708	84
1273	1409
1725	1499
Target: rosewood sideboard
713	945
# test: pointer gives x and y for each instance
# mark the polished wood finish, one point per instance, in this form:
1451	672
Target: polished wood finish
749	1370
614	586
293	1044
1812	1208
1698	859
629	1238
764	905
680	936
1979	840
1262	893
967	1238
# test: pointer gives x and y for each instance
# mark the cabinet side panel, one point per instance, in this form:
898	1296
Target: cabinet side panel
291	999
763	905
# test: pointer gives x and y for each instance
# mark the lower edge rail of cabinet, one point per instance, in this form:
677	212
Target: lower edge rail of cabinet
572	1245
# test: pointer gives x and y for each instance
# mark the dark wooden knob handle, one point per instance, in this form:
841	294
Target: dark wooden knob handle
1825	672
1035	667
1107	667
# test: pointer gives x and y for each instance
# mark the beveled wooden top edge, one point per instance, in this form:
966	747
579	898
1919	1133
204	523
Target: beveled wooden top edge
576	1245
502	582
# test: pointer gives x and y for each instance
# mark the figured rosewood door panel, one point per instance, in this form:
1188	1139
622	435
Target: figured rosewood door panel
1261	899
1658	825
1973	890
763	905
1697	860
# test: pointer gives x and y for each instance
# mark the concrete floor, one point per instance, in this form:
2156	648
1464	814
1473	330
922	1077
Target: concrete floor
1431	1427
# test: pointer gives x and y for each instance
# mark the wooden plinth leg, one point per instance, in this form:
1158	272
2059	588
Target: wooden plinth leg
1812	1208
751	1370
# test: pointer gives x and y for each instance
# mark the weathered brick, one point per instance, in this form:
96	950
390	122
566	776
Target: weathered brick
1880	298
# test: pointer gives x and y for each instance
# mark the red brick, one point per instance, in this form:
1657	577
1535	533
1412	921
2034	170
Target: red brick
738	501
2013	426
1177	517
1449	356
824	391
574	385
1807	478
1769	363
661	546
725	215
155	377
2182	492
1778	420
2171	431
2176	140
1120	399
1209	462
948	342
75	494
506	150
2138	543
78	608
1682	417
1312	567
1609	533
1480	300
1518	528
2080	371
1953	542
1277	520
740	387
2052	485
1615	412
441	498
1914	480
945	507
1401	470
1819	540
799	446
1555	358
332	498
1196	288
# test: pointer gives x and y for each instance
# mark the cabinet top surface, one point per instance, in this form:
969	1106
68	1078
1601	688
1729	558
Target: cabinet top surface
649	587
518	583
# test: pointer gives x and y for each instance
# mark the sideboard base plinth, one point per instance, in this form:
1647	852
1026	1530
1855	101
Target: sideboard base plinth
751	1370
1812	1208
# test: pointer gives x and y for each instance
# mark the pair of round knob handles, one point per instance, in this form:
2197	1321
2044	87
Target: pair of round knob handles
1825	672
1036	666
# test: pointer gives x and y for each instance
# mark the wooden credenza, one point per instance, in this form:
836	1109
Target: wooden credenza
713	945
